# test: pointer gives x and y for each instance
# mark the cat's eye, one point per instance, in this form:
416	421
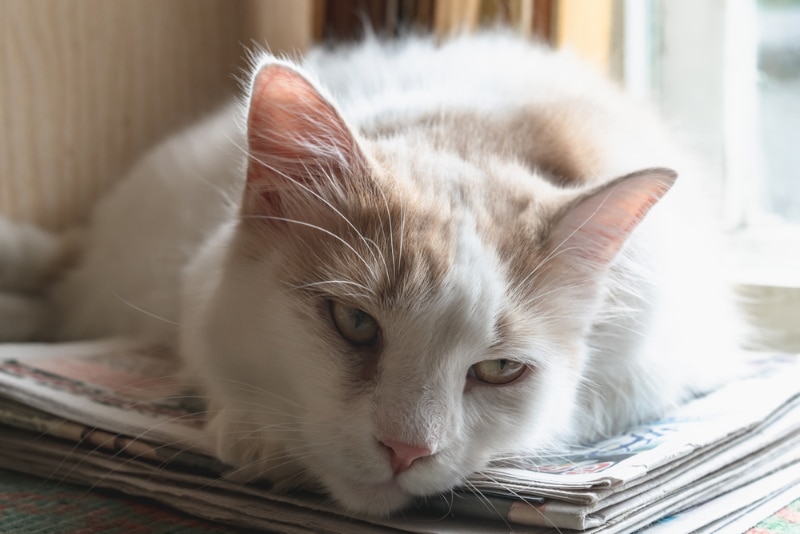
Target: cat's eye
356	326
497	372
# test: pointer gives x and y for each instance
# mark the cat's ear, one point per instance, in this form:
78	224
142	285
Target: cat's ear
591	229
299	145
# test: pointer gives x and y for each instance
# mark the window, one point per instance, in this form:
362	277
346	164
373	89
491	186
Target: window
778	194
731	70
727	73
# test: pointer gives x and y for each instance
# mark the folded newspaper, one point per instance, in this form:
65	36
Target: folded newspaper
112	414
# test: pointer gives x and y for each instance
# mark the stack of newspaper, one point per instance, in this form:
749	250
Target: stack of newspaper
111	414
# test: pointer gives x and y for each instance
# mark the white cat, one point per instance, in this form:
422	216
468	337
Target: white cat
397	262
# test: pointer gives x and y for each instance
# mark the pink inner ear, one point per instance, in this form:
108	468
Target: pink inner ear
289	118
295	136
594	228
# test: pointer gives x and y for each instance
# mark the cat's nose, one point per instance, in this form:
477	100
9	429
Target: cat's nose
402	455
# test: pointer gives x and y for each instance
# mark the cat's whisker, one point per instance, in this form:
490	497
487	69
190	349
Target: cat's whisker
372	247
256	410
314	227
246	409
248	437
367	290
142	310
487	503
452	500
577	229
248	416
391	229
552	255
375	248
109	443
402	236
270	462
520	499
340	288
105	443
565	287
254	430
257	407
299	478
560	248
248	387
333	184
76	447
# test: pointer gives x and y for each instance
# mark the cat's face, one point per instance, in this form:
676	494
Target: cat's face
399	316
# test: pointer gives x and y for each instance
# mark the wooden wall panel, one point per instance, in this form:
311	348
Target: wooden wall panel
287	26
87	85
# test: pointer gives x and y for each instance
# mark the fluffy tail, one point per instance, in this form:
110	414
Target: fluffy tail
30	259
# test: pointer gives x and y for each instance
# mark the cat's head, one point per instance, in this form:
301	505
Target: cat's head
389	316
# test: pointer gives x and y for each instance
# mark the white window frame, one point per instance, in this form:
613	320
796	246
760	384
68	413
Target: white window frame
697	60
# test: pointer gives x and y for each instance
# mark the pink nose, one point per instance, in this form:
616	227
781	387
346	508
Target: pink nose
402	455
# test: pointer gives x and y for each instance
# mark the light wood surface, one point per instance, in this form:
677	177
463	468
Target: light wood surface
87	85
586	27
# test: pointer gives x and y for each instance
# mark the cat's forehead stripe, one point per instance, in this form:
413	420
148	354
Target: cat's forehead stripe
397	250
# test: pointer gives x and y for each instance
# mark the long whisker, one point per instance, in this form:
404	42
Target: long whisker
559	248
315	227
371	247
142	310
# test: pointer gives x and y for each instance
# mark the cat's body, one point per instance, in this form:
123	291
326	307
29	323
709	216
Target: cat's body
349	313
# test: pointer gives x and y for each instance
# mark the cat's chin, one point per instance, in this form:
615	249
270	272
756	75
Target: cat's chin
370	499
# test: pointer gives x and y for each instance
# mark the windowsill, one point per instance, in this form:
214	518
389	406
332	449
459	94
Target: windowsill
767	256
765	268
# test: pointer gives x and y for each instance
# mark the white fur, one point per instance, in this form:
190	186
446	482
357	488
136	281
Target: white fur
273	374
143	232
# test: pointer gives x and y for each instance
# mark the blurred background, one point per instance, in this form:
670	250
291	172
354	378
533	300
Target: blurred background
87	85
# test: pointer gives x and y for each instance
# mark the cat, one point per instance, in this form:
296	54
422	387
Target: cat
395	262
